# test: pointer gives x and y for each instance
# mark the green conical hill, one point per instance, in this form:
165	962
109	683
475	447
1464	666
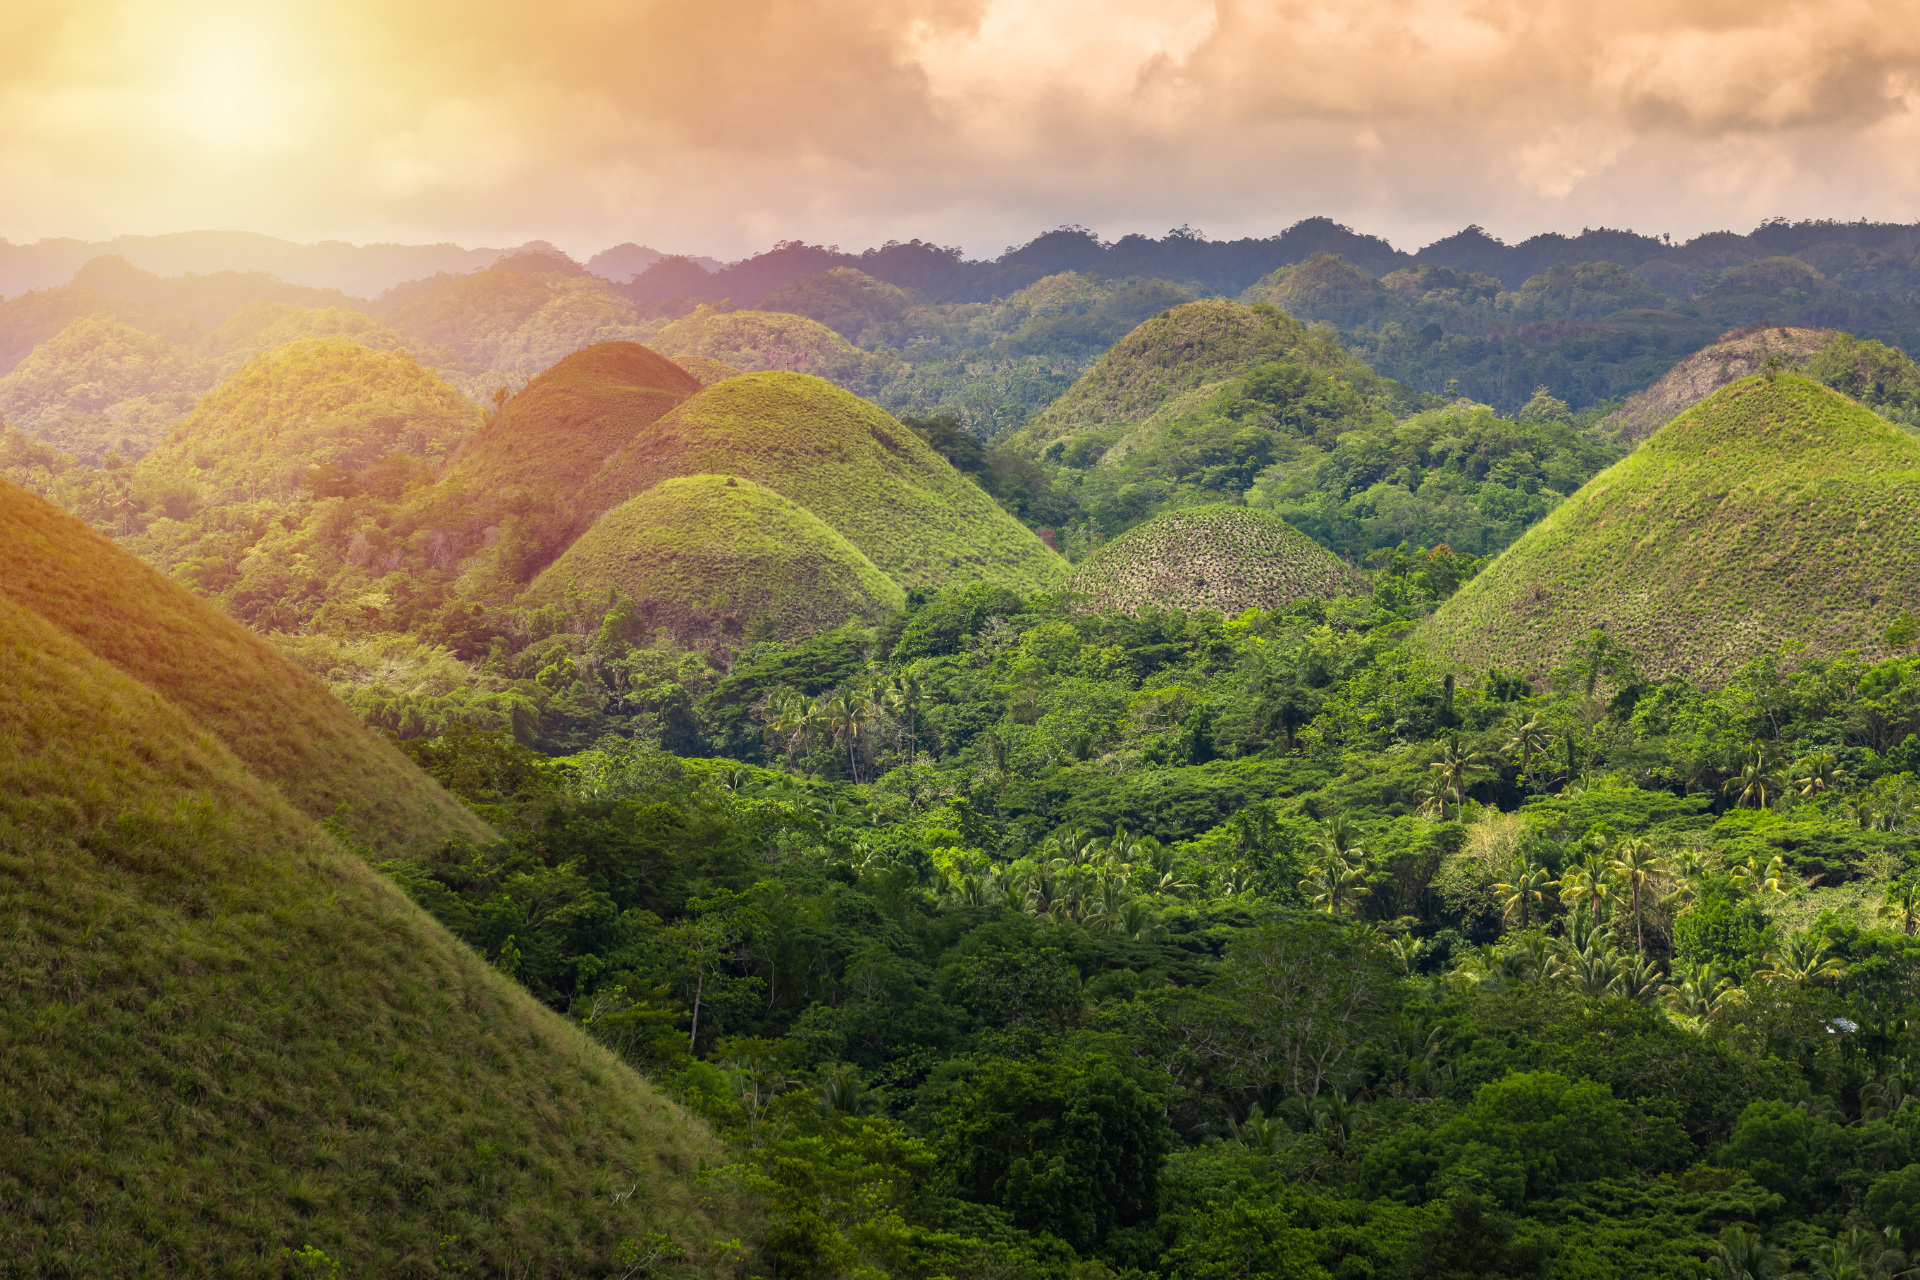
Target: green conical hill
326	402
707	369
225	1039
723	558
1772	511
1185	349
551	438
864	475
1223	557
276	719
763	340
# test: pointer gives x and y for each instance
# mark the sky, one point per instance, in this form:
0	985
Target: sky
721	126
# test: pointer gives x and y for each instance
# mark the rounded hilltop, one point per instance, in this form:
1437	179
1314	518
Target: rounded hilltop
1222	557
1774	511
722	558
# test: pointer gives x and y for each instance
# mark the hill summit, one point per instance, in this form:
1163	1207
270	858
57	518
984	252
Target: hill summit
1775	510
1222	557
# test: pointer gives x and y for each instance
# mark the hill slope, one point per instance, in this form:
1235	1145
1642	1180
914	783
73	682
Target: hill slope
1220	557
1733	357
1183	350
316	402
871	480
1772	511
225	1038
553	436
277	720
721	557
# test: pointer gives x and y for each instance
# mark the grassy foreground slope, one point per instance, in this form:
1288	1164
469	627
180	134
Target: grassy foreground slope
224	1037
279	721
867	477
1775	510
1222	557
724	557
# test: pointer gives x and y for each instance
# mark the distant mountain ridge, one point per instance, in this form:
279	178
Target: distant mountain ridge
942	273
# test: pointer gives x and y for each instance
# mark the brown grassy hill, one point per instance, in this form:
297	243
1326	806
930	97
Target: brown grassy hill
552	437
1179	351
707	369
1222	557
276	719
224	1039
1774	511
867	477
724	559
1734	356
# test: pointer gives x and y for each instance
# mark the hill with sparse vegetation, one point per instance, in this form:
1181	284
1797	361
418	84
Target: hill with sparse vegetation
1220	557
875	482
720	558
1775	510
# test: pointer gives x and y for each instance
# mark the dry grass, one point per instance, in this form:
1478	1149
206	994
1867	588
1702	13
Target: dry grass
276	719
222	1037
1773	511
1220	557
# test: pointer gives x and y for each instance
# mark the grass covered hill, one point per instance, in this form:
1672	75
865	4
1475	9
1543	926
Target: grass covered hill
323	414
1879	376
1221	557
754	341
867	477
1775	510
724	558
101	385
707	369
229	1047
552	437
274	718
1178	352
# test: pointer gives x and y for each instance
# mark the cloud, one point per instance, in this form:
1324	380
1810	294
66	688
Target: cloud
718	127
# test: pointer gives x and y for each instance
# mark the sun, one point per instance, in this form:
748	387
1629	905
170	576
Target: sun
227	87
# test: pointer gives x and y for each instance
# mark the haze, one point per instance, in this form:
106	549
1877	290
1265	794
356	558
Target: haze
719	128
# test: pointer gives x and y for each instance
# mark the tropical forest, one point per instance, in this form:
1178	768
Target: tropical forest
1163	759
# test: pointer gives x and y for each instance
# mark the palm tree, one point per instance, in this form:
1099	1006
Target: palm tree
901	699
1526	884
1634	863
1741	1254
1334	885
1817	772
1704	992
1594	969
1263	1134
1758	784
1526	735
1903	904
1406	951
1455	769
1803	958
1587	881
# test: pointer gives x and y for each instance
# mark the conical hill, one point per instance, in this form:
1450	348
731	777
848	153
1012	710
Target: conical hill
1184	350
723	558
276	719
864	475
1775	510
225	1040
550	438
1222	557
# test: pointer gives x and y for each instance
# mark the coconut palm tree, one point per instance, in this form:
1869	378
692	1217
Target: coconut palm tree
1334	885
1406	951
1526	885
1758	785
1740	1254
1455	768
1803	958
1817	772
1635	863
1526	734
1588	881
1703	993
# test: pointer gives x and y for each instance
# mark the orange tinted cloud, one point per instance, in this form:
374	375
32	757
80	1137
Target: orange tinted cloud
719	126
